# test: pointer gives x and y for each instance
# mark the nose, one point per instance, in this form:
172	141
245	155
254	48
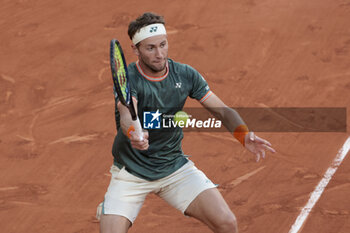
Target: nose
159	53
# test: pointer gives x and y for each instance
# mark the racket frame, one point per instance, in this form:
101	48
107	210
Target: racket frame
128	102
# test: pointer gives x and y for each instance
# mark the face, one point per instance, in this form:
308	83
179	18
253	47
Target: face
153	53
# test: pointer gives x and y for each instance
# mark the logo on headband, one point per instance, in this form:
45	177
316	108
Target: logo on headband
153	29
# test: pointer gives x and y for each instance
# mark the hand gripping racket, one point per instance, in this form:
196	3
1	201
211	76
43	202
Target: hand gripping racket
121	83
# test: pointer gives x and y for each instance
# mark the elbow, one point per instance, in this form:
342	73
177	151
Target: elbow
222	112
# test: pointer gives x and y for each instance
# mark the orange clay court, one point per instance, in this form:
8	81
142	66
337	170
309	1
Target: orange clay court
57	109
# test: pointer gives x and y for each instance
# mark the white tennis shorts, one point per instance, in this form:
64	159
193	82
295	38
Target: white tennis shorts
126	192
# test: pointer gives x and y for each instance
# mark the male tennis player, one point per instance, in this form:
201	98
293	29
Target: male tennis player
157	163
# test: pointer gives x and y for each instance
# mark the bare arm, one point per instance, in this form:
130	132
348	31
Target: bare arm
232	121
229	117
132	128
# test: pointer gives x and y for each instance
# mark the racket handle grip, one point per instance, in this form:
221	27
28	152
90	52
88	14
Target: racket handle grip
138	129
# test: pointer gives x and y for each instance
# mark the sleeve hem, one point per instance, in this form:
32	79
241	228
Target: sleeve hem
206	96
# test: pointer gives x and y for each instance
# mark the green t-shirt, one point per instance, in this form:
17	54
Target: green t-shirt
167	95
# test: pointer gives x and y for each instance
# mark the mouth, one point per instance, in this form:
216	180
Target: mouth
159	61
159	65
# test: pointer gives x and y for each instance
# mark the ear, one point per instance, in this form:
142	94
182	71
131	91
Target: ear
135	50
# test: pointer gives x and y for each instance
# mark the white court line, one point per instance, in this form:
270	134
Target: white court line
320	187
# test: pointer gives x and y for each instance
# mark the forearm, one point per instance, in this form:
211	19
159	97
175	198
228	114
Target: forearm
132	129
230	119
228	116
126	122
234	124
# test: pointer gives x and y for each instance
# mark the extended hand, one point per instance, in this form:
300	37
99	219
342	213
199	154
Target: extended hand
257	145
137	143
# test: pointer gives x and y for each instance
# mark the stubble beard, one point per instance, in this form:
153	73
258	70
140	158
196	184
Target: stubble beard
153	68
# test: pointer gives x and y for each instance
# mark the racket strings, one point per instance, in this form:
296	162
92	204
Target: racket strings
121	74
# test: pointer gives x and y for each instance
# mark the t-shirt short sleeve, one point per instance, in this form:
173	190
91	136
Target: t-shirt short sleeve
200	89
133	92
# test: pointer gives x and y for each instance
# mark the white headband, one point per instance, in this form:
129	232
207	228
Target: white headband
148	31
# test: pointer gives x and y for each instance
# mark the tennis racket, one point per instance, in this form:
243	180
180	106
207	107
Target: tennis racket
121	82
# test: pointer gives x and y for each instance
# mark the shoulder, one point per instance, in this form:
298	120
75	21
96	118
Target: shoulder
132	68
181	68
132	72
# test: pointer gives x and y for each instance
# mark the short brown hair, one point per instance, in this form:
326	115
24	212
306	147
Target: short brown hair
142	21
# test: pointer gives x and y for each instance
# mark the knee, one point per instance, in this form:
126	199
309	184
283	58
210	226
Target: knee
227	224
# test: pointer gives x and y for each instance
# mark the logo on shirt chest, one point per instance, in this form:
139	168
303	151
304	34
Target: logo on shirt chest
178	85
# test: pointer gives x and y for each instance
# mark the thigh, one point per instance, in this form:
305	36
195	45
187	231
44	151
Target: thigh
125	195
184	185
211	208
114	224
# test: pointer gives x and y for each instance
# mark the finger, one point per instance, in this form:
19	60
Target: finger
143	147
252	136
133	144
262	141
140	146
137	142
269	149
257	156
144	144
263	154
140	143
137	138
145	134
